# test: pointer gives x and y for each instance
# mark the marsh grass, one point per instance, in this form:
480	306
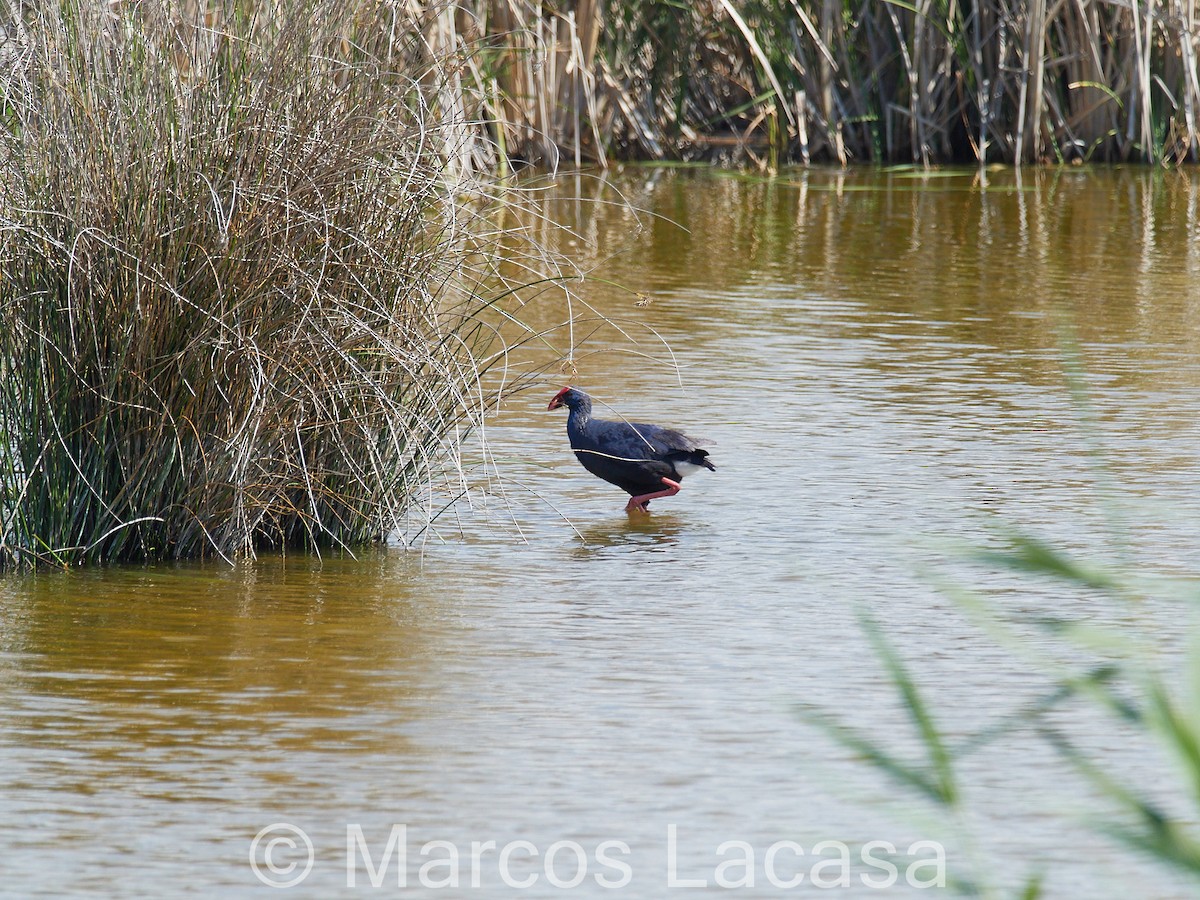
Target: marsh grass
243	277
772	81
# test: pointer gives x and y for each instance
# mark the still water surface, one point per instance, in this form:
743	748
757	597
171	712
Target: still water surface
878	361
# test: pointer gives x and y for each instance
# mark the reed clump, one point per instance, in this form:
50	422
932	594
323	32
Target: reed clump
236	258
772	81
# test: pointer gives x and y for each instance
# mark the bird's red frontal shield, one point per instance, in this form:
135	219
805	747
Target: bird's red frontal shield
557	401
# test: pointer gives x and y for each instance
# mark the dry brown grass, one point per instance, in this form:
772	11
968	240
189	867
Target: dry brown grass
872	80
244	276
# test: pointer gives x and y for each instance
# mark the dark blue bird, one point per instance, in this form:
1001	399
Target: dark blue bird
645	461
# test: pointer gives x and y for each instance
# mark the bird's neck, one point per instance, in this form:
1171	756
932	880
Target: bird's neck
580	415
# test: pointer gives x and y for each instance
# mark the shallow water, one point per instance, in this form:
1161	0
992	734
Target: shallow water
879	362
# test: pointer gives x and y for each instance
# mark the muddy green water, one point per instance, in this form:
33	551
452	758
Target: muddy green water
876	358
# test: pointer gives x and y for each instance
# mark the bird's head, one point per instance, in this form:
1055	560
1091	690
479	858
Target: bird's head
568	397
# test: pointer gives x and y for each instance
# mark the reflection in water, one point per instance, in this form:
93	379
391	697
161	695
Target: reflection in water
173	652
989	255
876	356
135	701
653	534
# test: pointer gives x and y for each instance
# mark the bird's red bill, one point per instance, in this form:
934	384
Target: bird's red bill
557	401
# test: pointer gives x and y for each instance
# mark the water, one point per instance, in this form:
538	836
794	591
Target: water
878	361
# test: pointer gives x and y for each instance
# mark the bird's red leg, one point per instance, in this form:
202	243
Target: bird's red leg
641	502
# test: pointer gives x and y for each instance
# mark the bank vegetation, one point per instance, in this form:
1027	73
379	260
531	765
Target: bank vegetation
248	284
769	82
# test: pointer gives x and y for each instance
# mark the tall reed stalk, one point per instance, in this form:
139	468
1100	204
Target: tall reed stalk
868	80
235	275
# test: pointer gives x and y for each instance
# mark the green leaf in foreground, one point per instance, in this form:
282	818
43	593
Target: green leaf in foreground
1030	555
935	778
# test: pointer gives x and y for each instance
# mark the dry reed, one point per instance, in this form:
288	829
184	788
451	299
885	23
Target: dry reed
874	80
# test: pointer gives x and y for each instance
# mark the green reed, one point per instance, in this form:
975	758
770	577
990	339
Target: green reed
1112	669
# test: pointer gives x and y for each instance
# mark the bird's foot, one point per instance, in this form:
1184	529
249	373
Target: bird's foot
641	503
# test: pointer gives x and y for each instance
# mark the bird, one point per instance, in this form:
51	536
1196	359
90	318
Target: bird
646	461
